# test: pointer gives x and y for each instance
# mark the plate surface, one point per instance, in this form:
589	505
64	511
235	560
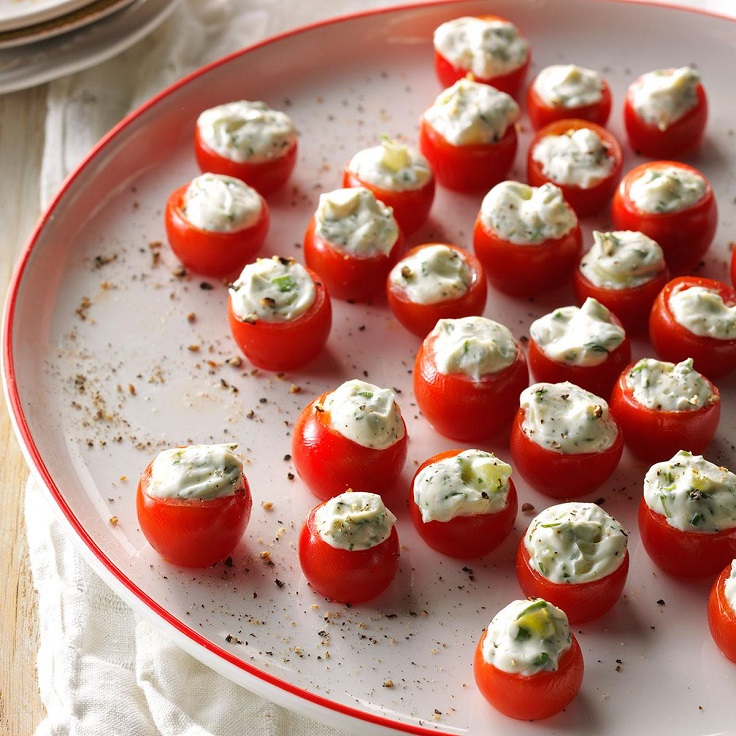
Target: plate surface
109	357
26	66
21	13
90	13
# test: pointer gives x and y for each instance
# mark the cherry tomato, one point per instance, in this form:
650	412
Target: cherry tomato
585	201
420	318
559	474
411	206
597	379
208	252
460	407
683	135
346	576
722	617
471	167
534	697
264	176
526	269
674	342
684	236
630	304
684	554
464	537
654	435
580	601
542	113
192	532
285	345
509	82
349	277
330	463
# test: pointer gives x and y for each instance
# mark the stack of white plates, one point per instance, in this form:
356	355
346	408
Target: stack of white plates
41	40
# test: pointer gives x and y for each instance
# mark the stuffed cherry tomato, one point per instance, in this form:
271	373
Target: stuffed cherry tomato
673	204
468	374
687	516
249	141
351	438
463	503
279	313
696	318
349	548
527	238
435	281
352	242
399	176
469	137
575	556
722	611
487	47
662	408
564	441
194	503
623	270
584	345
665	112
565	91
216	224
528	663
583	159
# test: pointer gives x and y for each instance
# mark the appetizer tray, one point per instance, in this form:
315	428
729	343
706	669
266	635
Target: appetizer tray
110	355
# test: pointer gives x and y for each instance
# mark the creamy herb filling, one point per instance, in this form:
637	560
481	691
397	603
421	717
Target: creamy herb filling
692	493
467	484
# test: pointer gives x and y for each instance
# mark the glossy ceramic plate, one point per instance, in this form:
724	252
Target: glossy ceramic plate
32	64
111	357
66	23
21	13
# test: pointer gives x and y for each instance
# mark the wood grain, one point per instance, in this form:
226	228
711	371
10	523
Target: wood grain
22	116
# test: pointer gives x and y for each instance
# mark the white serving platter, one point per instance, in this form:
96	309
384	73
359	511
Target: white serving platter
109	357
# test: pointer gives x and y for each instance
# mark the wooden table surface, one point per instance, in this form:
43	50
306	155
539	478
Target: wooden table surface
22	119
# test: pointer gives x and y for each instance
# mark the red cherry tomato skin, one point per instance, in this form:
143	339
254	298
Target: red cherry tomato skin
680	137
722	617
671	341
192	532
411	206
420	319
534	697
469	168
557	474
346	576
597	379
526	270
511	82
580	601
285	346
349	278
461	408
585	202
684	236
655	435
264	176
464	537
631	305
541	114
210	253
330	464
684	554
